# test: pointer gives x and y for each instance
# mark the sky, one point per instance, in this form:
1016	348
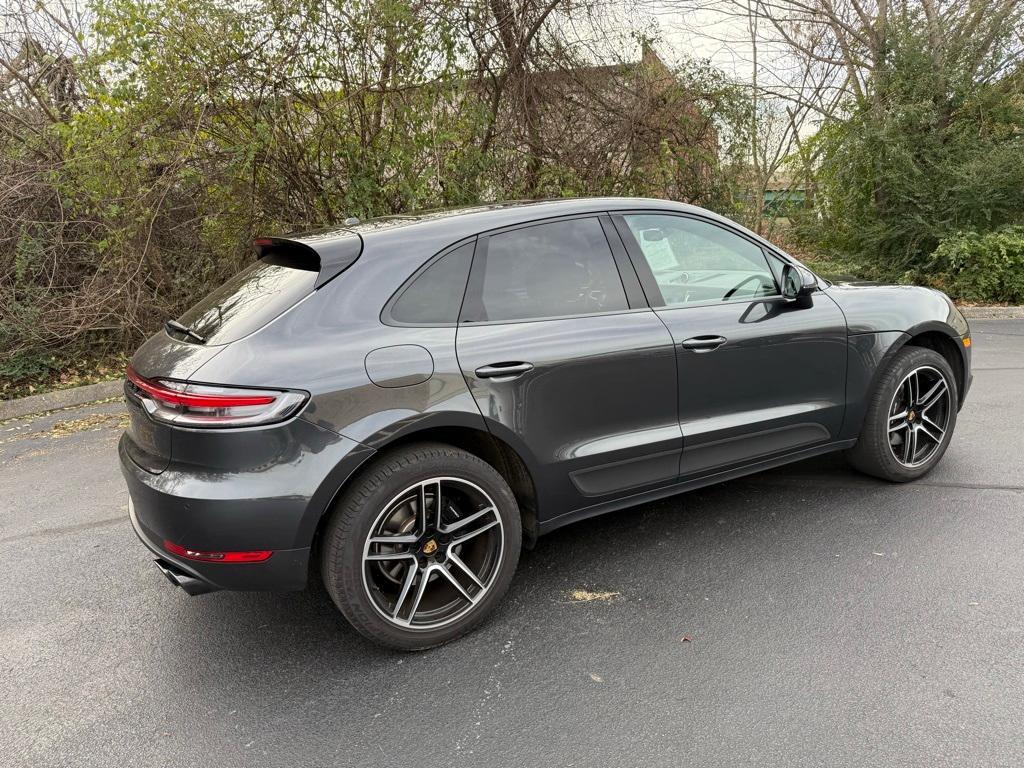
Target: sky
695	29
680	28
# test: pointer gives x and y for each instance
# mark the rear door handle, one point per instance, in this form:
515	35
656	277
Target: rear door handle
704	343
503	370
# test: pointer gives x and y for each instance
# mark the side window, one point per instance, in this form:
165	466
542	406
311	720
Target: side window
549	270
694	261
435	295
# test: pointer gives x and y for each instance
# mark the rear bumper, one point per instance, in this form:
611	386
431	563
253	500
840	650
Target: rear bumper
245	492
286	570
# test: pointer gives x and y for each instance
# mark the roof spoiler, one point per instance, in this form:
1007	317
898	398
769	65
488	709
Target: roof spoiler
329	256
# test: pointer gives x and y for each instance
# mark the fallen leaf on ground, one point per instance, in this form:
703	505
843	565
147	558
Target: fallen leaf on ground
32	454
93	422
596	678
585	596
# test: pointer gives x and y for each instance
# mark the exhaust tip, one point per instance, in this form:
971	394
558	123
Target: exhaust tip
187	582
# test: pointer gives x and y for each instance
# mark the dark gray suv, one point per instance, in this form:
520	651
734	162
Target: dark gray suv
402	403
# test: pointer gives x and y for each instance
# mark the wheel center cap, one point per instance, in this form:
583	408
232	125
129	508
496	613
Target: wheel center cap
911	416
430	547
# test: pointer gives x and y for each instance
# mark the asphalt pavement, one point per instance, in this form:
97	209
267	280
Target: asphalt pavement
806	616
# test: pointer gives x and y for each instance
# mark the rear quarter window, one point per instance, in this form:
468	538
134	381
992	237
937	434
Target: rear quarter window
434	296
251	299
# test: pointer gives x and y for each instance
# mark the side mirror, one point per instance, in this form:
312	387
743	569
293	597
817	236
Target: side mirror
797	282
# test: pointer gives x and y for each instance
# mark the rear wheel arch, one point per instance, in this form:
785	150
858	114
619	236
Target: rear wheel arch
496	452
482	444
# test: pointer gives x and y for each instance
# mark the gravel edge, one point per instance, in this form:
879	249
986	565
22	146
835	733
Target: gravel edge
993	313
61	398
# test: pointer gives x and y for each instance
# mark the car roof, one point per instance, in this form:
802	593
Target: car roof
472	219
428	232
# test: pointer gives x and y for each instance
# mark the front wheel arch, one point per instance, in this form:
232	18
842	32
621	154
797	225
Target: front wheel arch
933	335
950	347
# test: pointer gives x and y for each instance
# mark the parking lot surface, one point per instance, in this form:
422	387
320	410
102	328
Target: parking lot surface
801	617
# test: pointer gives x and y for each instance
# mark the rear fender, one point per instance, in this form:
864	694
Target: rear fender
454	427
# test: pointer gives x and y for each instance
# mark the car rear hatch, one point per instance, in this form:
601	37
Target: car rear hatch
287	271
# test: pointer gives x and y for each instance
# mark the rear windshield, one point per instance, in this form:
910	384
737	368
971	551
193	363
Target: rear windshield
250	299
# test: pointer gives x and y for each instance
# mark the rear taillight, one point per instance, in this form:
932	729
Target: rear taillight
203	405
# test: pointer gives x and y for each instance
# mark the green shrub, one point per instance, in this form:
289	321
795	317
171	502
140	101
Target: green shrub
981	267
933	147
20	371
135	172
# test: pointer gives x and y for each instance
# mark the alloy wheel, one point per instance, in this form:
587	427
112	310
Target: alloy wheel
433	553
919	416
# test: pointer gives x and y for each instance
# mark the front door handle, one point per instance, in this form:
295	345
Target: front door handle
503	370
704	343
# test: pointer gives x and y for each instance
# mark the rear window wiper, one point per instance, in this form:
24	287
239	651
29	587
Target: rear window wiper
174	325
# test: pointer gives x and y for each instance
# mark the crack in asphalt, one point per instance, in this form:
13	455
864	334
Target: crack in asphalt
815	481
49	532
970	486
27	417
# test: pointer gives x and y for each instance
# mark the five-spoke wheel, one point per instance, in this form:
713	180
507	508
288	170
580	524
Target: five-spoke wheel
918	416
422	545
433	552
910	416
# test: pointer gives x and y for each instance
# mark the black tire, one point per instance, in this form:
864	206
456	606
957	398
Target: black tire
875	453
357	515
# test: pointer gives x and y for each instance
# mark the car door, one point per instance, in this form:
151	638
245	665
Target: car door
567	362
759	375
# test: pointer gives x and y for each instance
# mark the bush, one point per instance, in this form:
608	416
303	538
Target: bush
981	267
141	155
927	152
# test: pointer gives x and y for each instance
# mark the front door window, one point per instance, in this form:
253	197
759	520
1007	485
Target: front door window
696	262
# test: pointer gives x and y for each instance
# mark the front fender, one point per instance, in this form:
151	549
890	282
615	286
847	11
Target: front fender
877	308
869	355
